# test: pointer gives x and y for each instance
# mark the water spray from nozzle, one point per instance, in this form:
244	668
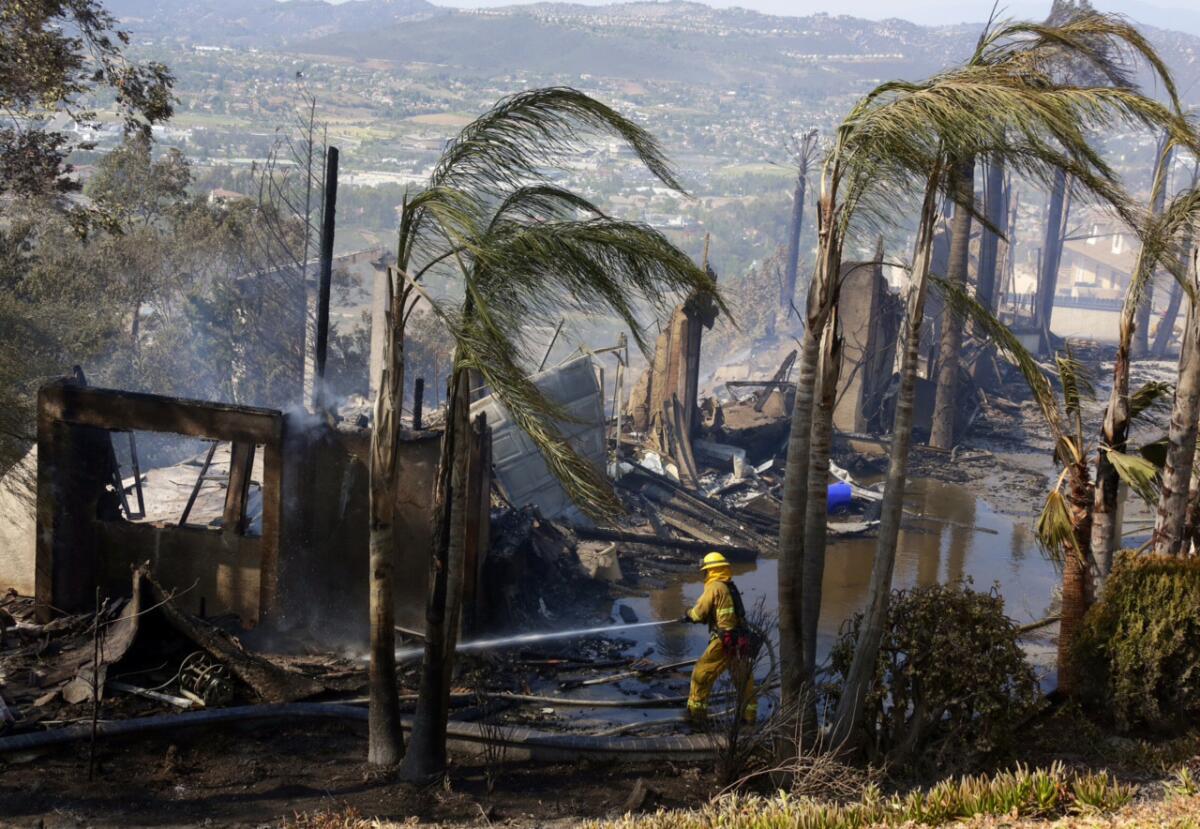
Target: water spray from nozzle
526	638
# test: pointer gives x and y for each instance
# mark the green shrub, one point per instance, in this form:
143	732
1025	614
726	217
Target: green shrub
1182	784
1139	649
1019	793
951	684
1100	792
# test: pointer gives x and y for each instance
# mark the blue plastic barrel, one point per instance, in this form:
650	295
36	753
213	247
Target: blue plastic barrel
839	495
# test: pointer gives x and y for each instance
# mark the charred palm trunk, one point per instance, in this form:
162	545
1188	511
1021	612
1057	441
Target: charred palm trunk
795	227
425	759
795	480
1162	337
385	743
989	242
1076	577
816	512
945	406
1174	508
791	529
1056	214
866	652
1158	201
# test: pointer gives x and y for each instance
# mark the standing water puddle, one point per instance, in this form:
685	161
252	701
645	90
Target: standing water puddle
929	553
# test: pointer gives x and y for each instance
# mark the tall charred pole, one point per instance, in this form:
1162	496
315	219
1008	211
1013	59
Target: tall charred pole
326	276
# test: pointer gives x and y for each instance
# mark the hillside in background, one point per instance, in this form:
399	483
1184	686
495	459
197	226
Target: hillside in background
258	23
815	55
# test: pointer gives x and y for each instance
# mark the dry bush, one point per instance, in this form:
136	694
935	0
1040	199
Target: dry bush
345	818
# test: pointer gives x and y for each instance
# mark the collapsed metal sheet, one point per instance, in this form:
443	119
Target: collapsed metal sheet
520	467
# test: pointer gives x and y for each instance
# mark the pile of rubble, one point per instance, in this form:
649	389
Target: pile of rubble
141	655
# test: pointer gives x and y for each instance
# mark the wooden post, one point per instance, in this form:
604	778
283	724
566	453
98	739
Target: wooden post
418	399
241	462
326	277
477	519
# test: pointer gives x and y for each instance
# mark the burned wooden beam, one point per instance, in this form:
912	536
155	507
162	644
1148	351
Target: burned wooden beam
418	401
200	479
119	410
785	368
241	462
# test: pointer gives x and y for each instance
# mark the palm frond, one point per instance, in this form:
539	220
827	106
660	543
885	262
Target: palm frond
1152	396
1101	41
1138	473
523	134
1168	233
1076	381
535	272
488	350
1054	529
966	306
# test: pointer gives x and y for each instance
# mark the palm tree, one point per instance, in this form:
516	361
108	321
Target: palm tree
945	406
524	252
1173	504
1064	527
385	742
1161	237
805	152
1002	103
1163	156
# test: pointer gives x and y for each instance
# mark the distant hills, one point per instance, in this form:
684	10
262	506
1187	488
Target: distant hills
667	41
676	41
260	23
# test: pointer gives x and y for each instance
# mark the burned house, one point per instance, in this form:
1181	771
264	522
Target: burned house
269	523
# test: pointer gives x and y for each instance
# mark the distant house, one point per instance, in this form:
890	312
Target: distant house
221	196
1099	265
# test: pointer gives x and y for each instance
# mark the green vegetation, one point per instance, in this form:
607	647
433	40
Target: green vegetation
1139	648
1020	793
951	683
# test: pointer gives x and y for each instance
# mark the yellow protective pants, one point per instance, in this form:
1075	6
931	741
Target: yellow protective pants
712	663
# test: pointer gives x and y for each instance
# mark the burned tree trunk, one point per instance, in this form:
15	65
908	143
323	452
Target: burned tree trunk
1186	252
385	742
1056	216
1174	509
1076	576
425	759
1166	327
793	508
862	668
805	148
816	509
1158	201
996	212
791	265
945	408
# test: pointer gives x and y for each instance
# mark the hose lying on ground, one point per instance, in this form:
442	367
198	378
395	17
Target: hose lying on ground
115	728
565	743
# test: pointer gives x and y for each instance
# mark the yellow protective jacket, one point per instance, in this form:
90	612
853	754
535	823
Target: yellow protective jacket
715	605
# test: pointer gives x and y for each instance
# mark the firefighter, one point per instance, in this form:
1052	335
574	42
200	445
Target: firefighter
732	644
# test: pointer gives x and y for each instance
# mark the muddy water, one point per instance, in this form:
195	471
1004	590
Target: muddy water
930	552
